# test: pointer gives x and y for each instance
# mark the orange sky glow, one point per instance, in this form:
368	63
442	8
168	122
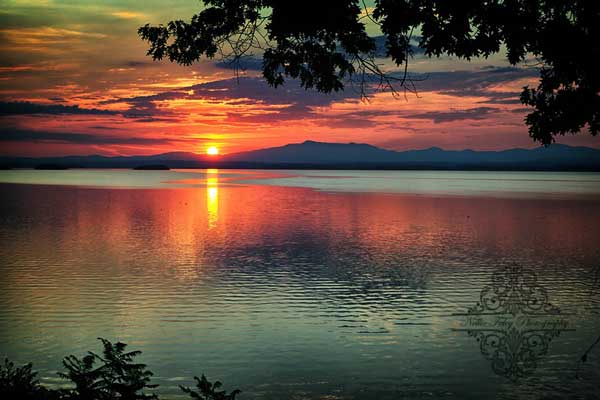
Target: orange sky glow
60	54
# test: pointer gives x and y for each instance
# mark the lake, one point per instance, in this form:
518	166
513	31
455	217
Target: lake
310	284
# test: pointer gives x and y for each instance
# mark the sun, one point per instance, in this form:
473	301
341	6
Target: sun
212	151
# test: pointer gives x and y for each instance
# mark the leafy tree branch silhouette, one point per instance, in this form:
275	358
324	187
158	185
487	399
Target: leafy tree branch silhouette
324	44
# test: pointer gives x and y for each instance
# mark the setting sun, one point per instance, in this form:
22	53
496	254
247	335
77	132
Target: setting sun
212	150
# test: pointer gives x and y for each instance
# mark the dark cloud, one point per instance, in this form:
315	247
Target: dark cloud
292	102
347	122
254	90
453	115
250	63
150	119
476	83
26	135
245	90
24	107
463	83
356	119
10	19
138	64
508	98
104	127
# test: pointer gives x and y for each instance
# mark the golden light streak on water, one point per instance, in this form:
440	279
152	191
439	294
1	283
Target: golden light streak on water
212	197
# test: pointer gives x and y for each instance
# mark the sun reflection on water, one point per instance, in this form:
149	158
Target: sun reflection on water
212	197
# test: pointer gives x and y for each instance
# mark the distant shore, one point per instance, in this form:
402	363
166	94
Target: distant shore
532	167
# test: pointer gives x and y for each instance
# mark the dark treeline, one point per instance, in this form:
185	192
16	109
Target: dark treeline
113	374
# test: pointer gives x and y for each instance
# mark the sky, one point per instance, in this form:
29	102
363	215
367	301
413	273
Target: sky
75	80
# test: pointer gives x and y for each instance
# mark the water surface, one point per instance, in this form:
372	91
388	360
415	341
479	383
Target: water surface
356	290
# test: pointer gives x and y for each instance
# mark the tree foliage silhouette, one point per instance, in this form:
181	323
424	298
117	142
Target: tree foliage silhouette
324	44
22	383
209	391
83	375
113	375
117	376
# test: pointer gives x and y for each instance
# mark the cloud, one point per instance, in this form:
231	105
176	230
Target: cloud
250	90
241	95
475	79
476	83
138	64
103	127
249	100
17	68
250	63
245	90
46	35
128	15
25	107
26	135
347	122
453	115
356	119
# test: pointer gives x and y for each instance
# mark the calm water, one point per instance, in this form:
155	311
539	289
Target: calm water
309	284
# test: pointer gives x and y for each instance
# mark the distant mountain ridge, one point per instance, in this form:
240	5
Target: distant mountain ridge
312	154
334	153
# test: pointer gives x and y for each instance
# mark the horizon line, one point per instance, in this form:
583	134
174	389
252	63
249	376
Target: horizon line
220	155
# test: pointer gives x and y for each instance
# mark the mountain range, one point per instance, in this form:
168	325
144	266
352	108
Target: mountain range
311	154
